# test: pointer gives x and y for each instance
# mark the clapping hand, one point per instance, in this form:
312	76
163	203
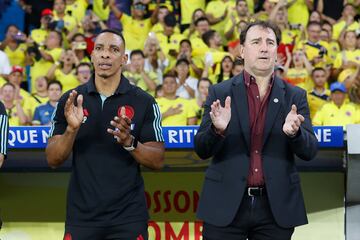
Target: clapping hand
74	114
292	122
220	116
122	125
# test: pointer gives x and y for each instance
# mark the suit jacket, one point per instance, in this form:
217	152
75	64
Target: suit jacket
226	178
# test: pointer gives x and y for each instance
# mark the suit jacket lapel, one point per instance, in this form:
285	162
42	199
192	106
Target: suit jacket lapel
276	100
239	98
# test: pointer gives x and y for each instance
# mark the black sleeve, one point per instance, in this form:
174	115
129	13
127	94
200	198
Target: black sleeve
305	144
58	120
151	130
207	143
4	126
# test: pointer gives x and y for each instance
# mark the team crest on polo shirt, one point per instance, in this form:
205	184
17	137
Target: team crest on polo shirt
86	115
348	113
129	112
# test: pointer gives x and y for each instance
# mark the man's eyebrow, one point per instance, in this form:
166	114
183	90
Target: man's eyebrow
255	39
114	46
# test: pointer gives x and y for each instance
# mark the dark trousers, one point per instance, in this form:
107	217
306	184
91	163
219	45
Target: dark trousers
253	221
130	231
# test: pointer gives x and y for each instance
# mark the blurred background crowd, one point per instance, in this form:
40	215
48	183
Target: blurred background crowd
177	49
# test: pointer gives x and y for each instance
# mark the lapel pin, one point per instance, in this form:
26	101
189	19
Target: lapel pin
276	100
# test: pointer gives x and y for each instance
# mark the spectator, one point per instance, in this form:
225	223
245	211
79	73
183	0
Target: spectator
76	9
13	106
79	46
159	25
187	8
346	22
169	39
238	67
159	91
338	112
43	113
316	50
41	58
241	14
155	59
135	27
203	92
214	55
319	95
298	11
5	67
14	46
297	69
33	10
187	85
227	65
326	36
37	98
175	111
202	25
83	72
196	62
218	12
196	14
63	71
16	77
349	57
62	18
265	11
39	34
137	75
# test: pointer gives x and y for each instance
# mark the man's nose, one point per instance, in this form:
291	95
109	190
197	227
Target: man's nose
105	54
264	47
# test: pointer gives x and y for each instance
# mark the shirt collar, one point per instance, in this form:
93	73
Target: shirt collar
123	87
249	79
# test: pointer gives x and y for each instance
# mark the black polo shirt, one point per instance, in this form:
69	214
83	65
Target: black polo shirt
106	187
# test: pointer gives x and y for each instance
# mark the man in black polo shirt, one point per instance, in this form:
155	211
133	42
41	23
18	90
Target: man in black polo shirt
111	127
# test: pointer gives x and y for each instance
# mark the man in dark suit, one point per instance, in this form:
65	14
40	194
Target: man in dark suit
253	125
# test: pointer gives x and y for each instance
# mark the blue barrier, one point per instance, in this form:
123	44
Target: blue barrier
175	137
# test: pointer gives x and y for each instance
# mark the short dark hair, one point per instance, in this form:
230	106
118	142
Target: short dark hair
313	23
81	65
204	79
262	24
185	40
238	61
170	20
207	36
114	31
76	35
200	19
137	52
237	1
8	84
182	60
317	69
55	82
169	75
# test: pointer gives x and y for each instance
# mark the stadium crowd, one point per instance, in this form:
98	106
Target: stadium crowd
177	49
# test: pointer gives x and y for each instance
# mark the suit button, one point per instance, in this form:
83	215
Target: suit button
243	179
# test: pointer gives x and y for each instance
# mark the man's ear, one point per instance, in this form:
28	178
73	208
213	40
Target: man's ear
241	50
124	59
